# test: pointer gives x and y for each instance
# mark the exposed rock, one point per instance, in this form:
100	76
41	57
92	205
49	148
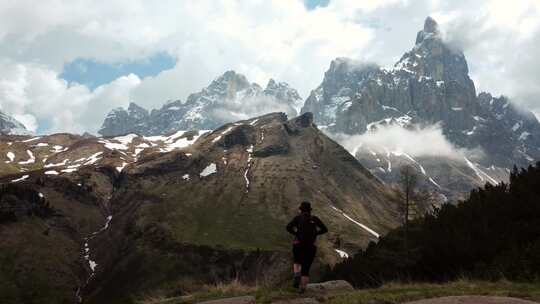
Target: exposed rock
330	286
121	122
242	135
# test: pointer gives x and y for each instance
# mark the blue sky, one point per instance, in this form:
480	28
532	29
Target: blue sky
312	4
93	74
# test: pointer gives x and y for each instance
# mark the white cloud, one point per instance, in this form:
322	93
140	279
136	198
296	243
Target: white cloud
429	141
262	39
32	93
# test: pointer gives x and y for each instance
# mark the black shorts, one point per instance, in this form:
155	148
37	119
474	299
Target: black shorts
304	255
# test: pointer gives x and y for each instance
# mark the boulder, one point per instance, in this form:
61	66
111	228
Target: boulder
338	285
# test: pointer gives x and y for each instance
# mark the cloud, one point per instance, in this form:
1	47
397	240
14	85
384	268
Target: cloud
278	39
429	141
28	120
35	95
232	110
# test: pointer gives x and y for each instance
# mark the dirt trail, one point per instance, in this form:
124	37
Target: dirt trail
472	300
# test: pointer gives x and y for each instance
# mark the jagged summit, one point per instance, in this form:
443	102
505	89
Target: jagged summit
429	85
431	30
430	25
228	97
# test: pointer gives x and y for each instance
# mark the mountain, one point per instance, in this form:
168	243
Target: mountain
9	125
228	98
429	85
120	122
121	217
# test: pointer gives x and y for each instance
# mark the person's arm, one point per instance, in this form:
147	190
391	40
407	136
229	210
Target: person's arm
292	227
322	227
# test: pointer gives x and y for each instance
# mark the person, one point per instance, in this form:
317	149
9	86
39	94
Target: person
305	228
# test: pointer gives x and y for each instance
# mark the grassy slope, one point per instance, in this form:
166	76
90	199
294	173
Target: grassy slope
410	292
393	293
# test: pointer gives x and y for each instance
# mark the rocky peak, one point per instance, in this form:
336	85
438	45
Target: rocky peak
282	91
432	58
10	125
227	97
431	30
120	122
137	111
228	84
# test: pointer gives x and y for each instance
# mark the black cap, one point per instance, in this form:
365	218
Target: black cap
305	206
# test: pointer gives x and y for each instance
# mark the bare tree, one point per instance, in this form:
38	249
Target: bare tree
408	184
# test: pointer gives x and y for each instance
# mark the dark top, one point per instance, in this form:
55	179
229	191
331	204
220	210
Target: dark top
306	227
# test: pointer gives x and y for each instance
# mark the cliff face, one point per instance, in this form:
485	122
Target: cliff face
429	84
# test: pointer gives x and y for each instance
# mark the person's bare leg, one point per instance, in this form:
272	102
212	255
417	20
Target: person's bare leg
297	268
303	283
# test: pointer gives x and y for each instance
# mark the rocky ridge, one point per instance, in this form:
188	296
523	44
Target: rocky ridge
228	98
428	86
208	207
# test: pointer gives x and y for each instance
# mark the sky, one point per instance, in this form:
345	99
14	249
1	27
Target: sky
66	63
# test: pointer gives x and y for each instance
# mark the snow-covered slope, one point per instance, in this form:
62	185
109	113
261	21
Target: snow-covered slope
66	153
9	125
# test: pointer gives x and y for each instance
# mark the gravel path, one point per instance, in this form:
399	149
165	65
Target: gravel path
473	300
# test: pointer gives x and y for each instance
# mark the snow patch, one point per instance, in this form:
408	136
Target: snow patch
119	169
24	177
93	158
481	174
246	172
31	139
63	163
371	231
69	170
11	156
31	160
222	134
209	170
342	254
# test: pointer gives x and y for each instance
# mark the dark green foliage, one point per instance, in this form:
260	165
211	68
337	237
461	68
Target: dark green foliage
494	234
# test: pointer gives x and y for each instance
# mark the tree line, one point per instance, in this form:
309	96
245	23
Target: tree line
493	234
